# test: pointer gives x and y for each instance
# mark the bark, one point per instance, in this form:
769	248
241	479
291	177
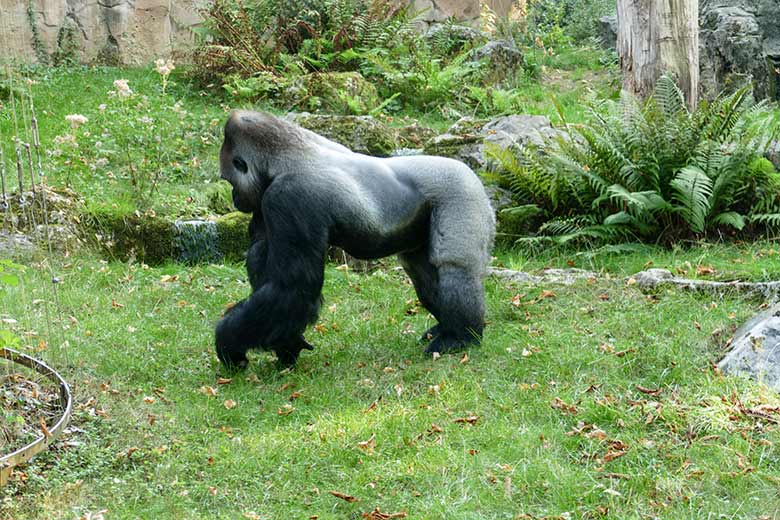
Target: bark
656	37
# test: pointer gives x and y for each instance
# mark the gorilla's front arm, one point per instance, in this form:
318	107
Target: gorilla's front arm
286	272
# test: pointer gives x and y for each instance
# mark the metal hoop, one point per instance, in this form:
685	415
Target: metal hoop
22	455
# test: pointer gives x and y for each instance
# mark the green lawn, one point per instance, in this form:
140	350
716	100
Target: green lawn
590	401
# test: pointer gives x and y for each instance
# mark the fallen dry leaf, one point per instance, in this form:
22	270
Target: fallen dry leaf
648	391
343	496
208	390
224	381
368	445
376	514
285	409
229	404
471	419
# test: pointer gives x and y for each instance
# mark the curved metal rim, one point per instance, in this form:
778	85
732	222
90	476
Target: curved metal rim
24	454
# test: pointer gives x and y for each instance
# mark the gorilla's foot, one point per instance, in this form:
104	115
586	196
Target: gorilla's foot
286	357
448	343
430	334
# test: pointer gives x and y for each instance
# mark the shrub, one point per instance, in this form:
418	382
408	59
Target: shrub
654	171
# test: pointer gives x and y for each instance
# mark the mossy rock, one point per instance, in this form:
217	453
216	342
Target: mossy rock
220	199
340	92
233	235
362	134
144	236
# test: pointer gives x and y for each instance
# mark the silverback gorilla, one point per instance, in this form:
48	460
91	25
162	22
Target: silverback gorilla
306	192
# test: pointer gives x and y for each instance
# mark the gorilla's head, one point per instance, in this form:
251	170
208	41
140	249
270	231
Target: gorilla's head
253	142
238	163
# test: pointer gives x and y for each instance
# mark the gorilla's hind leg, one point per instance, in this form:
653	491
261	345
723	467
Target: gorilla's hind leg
461	306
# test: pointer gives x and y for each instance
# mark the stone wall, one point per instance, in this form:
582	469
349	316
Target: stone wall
134	32
124	31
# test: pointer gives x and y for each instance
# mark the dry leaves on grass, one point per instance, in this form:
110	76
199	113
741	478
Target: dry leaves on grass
560	404
376	514
471	419
229	404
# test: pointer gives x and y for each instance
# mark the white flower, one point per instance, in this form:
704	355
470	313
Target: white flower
102	107
122	88
76	120
163	67
146	120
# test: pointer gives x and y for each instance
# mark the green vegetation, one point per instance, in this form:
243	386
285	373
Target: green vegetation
610	415
655	172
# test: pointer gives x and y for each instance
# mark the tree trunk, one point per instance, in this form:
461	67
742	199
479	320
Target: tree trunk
656	37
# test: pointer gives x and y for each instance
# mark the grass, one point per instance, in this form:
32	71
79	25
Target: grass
564	421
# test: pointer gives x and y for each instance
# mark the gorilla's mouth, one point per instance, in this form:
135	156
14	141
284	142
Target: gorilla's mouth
240	204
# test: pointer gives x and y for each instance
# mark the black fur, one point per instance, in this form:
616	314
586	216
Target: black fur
306	192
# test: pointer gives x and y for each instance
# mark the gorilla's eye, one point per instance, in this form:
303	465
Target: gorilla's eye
240	164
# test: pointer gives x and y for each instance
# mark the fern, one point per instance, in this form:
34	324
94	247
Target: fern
654	170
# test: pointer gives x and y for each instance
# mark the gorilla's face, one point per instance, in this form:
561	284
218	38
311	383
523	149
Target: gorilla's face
235	169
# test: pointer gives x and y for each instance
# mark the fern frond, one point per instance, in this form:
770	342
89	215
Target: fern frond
692	189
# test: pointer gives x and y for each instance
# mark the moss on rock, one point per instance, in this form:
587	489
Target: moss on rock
143	236
362	134
341	92
233	235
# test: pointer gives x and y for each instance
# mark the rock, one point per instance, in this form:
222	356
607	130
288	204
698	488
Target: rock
233	235
608	30
428	12
57	226
547	276
448	38
755	349
773	153
515	132
196	241
732	50
15	245
466	148
362	134
503	60
414	135
652	278
340	92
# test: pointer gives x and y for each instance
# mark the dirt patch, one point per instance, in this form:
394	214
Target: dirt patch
29	406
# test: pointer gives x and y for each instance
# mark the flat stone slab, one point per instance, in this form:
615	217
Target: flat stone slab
654	278
551	276
755	349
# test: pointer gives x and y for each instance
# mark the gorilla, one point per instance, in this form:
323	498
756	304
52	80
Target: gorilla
306	192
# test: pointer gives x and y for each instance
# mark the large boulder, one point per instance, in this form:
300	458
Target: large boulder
732	50
468	144
503	60
755	349
362	134
608	29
